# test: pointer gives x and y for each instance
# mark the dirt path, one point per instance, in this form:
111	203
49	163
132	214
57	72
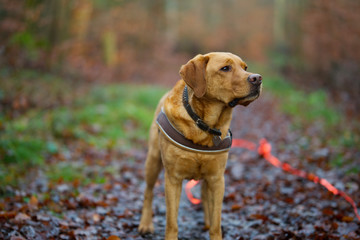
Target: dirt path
261	201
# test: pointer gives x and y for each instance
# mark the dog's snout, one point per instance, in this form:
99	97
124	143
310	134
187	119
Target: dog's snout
255	79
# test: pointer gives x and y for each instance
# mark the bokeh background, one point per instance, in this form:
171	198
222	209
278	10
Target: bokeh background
315	43
79	82
93	70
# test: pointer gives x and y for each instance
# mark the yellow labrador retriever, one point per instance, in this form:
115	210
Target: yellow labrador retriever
190	135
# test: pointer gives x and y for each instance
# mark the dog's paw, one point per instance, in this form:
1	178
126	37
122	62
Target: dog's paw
146	228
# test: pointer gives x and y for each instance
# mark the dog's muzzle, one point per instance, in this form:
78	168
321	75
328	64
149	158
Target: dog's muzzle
256	81
236	101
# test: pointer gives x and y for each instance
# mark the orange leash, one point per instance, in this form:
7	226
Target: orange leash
264	150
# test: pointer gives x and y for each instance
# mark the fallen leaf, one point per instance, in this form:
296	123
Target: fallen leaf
33	203
230	197
113	237
21	217
7	215
328	211
96	217
347	219
235	207
259	217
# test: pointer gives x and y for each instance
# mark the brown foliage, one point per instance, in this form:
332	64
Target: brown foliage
148	41
131	40
329	48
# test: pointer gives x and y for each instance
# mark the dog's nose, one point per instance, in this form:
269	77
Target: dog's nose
255	79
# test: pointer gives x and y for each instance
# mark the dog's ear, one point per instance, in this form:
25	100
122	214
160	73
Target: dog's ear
193	73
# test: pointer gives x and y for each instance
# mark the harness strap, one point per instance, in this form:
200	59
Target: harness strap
179	140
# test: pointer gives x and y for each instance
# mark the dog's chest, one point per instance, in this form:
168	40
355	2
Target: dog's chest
202	167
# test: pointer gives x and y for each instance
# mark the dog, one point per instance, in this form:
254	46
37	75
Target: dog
198	112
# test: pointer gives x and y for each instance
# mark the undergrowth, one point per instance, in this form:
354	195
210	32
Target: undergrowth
315	108
55	113
310	106
307	108
114	116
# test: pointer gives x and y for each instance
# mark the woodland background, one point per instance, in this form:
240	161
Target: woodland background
79	82
315	42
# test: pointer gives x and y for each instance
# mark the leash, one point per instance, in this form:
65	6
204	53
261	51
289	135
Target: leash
264	150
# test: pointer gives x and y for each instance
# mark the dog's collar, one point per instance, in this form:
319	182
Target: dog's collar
175	137
234	102
199	122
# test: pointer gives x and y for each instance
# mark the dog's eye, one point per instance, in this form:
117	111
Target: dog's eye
226	68
245	68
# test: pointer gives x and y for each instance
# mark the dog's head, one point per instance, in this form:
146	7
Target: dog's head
222	76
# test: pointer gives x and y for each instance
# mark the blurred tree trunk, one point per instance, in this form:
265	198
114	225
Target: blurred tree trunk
279	24
154	26
154	22
109	47
156	16
81	16
212	14
294	30
288	31
59	12
172	25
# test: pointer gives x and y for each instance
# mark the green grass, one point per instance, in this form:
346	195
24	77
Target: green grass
304	107
308	108
313	107
110	115
66	172
106	117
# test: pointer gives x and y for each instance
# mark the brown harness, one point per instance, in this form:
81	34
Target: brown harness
179	140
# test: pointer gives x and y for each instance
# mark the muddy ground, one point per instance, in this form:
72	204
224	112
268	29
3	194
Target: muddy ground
260	202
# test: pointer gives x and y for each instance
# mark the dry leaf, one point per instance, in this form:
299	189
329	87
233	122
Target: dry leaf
113	237
33	203
21	217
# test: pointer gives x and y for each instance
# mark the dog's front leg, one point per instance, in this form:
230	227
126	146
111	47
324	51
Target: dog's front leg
216	188
172	196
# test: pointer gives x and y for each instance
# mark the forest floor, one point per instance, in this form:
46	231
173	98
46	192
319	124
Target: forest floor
90	184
